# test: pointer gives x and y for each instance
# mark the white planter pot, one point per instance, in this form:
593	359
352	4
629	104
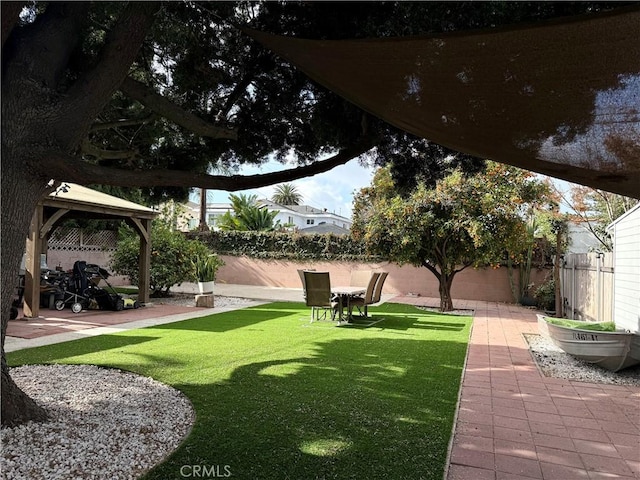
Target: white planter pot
205	287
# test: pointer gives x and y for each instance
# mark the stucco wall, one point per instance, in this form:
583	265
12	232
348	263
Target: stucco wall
470	284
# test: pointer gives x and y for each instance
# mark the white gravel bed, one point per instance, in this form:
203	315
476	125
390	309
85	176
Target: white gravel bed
554	362
188	300
105	423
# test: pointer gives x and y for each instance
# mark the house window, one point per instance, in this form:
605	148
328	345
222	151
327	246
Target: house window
310	221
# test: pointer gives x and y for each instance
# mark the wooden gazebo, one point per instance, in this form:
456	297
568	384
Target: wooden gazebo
76	201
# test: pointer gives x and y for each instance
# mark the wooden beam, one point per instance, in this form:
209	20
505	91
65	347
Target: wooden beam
119	212
48	225
141	227
144	265
32	266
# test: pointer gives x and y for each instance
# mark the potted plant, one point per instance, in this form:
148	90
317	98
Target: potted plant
205	268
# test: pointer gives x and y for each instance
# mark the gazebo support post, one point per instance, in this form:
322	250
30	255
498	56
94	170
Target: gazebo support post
32	266
144	274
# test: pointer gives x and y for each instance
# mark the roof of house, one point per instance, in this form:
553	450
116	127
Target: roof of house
325	228
302	209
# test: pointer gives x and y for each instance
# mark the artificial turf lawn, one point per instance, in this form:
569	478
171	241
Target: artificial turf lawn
277	397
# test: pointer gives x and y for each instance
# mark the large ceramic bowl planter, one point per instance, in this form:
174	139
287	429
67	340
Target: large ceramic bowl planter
205	287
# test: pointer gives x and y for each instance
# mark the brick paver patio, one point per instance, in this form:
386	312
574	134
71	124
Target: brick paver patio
514	423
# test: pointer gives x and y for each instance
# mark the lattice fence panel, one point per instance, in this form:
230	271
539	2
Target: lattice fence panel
75	239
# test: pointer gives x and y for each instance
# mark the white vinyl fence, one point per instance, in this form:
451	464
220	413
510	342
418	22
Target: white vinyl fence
586	281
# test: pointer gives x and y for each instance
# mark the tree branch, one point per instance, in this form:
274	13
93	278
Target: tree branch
159	104
68	168
432	269
90	149
117	55
458	270
122	123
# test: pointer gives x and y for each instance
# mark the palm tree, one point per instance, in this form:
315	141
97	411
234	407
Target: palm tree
286	194
248	215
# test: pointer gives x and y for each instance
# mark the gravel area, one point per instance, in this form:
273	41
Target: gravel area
188	300
554	362
105	423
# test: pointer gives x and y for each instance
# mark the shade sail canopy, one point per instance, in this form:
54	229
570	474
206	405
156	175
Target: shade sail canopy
560	98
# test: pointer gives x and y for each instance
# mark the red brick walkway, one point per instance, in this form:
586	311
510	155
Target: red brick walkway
52	322
514	423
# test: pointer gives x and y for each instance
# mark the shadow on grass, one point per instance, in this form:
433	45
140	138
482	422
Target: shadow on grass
354	408
385	322
275	400
80	347
391	317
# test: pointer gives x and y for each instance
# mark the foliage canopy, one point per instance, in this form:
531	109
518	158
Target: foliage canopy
465	220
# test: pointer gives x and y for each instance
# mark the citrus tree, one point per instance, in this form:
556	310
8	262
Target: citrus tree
463	221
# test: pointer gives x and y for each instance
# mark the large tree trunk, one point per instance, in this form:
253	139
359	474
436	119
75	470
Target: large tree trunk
20	194
445	280
39	123
444	287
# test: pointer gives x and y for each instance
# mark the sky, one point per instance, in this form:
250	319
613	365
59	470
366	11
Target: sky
332	190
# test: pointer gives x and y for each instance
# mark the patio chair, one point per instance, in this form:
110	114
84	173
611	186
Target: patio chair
317	286
360	278
361	302
301	273
377	294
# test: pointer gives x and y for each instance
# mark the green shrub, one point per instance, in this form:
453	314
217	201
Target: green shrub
546	295
171	255
284	245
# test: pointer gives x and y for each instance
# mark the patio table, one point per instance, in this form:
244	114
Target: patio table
344	294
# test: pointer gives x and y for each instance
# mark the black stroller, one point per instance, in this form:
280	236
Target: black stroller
82	291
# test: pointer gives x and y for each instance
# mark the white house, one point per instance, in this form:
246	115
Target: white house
625	231
300	217
304	216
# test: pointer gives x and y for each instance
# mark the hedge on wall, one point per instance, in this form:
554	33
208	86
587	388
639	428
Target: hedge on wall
289	246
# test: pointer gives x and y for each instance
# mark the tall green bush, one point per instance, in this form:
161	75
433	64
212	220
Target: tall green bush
285	245
171	254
